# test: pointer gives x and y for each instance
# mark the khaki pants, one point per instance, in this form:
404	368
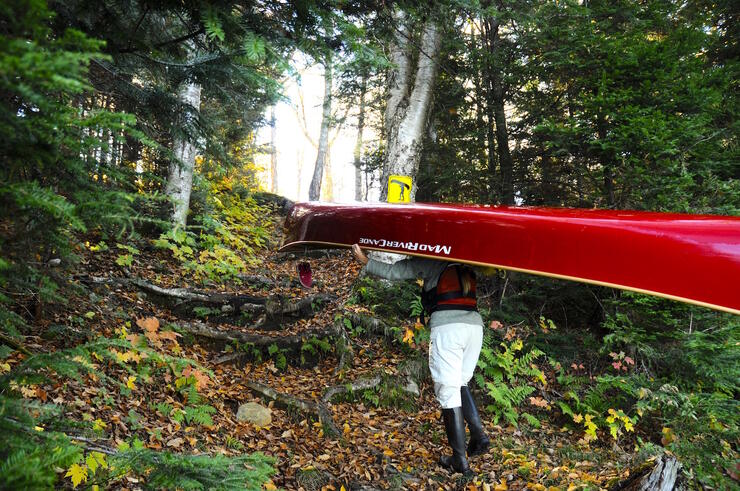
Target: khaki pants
453	355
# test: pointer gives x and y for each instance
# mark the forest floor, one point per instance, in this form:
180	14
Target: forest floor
375	437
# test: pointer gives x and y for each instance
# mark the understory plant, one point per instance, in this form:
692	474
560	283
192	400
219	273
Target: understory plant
227	227
42	447
508	375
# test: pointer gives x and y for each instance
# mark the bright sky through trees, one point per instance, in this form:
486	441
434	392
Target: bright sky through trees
296	152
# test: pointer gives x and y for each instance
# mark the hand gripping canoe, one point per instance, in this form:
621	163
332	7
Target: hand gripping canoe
689	258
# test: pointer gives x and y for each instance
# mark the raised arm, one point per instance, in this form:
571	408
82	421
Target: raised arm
406	269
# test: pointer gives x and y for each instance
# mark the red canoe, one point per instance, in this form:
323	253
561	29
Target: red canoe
690	258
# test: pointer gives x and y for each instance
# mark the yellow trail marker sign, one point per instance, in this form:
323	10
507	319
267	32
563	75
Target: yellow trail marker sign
399	189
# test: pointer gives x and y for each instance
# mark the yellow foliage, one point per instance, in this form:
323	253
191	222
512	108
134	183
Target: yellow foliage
77	473
408	338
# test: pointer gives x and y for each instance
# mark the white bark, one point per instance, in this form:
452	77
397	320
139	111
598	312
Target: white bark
180	177
359	141
273	152
314	192
399	75
406	130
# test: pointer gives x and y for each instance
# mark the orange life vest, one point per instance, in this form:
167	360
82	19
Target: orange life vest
448	294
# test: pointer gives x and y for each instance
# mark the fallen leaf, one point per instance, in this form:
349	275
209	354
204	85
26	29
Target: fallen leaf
175	442
150	324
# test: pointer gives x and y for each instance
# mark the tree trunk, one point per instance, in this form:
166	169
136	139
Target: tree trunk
180	176
496	99
358	141
406	127
606	162
314	192
399	74
273	152
490	136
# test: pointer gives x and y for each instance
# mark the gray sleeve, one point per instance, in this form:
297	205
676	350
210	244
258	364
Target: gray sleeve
406	269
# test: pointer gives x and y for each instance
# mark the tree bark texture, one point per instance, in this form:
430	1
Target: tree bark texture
399	74
405	128
314	191
662	475
497	110
359	141
180	175
273	152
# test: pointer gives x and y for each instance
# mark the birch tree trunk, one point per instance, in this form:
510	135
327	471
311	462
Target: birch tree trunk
405	128
399	75
358	141
314	191
180	176
273	152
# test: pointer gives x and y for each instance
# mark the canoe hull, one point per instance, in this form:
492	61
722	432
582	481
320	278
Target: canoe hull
690	258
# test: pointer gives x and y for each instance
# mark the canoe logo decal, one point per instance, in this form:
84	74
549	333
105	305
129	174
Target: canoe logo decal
408	246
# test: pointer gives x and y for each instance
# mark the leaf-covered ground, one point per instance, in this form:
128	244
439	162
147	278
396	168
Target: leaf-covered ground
378	445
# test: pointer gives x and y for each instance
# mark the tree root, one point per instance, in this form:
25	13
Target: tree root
402	381
317	410
277	308
346	352
274	309
372	325
359	384
291	344
282	257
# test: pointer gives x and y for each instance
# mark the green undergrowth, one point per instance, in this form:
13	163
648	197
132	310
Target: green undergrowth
43	447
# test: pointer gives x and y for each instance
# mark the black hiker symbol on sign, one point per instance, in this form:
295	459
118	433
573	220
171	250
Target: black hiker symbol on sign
399	189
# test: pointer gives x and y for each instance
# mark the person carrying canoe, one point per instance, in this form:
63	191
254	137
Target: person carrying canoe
455	342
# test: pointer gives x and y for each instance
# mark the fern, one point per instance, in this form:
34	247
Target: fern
199	414
506	374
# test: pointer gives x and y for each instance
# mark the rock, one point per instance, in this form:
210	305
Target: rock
412	388
254	413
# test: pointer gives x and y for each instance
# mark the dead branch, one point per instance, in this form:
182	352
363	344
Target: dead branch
317	410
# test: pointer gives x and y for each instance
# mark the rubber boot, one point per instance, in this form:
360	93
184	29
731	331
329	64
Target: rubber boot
455	428
479	442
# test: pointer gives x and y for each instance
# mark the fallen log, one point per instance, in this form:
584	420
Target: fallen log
317	410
